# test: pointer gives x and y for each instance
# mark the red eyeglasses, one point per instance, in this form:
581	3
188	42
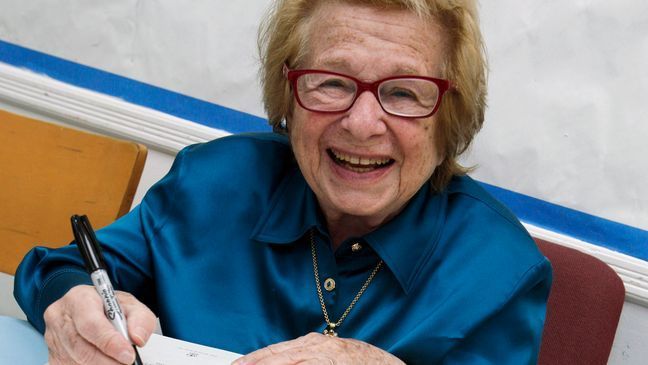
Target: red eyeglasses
331	92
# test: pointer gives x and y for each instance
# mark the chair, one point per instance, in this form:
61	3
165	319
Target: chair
49	172
583	309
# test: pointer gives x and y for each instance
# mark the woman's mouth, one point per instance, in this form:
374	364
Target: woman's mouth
359	164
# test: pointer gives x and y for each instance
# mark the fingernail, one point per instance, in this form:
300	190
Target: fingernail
138	335
126	357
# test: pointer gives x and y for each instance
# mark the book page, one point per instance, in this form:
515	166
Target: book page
161	350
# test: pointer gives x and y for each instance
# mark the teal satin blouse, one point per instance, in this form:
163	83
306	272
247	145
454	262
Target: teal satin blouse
219	249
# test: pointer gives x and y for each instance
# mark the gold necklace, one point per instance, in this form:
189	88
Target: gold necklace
331	326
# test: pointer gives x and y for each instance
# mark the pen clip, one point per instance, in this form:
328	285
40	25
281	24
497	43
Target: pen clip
87	243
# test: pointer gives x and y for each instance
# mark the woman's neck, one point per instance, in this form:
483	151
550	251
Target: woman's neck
342	227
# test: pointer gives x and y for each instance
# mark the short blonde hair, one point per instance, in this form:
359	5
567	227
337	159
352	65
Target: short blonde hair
283	39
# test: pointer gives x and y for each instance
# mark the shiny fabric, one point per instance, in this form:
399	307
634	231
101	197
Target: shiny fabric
219	249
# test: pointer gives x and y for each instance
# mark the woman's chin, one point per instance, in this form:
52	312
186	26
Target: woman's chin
373	207
361	193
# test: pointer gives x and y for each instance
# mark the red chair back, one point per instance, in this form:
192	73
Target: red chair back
583	309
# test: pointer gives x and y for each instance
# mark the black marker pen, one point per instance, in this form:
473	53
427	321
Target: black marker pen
94	261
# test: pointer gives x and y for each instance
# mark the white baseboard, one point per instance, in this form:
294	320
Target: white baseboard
109	115
633	272
90	110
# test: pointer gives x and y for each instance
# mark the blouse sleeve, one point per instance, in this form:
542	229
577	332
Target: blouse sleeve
513	334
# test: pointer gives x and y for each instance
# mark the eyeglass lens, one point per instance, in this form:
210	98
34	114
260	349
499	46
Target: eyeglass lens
409	97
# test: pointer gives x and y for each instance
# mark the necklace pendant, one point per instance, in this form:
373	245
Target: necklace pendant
330	330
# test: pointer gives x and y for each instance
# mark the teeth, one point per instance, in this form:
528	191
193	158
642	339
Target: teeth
362	161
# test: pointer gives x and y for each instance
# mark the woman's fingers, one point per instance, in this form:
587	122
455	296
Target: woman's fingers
316	348
78	352
140	319
91	324
288	352
78	332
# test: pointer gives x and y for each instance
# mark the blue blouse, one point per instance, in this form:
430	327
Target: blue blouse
219	249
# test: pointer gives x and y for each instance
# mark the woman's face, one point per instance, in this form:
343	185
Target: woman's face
343	155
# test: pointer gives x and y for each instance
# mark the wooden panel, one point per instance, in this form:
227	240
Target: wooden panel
49	172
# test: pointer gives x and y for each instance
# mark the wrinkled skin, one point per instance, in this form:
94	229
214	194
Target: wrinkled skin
316	348
78	332
370	45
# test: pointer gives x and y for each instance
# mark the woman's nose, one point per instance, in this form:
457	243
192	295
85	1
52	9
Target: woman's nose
366	117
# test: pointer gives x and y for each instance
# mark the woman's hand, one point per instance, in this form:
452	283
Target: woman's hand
78	332
316	348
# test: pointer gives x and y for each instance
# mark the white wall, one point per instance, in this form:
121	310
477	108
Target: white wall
566	114
631	341
205	49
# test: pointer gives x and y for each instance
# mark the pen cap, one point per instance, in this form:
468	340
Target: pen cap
87	243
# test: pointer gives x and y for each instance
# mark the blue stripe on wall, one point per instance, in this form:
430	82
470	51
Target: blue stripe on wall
622	238
139	93
615	236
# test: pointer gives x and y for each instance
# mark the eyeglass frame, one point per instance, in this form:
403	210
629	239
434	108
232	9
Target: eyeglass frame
292	76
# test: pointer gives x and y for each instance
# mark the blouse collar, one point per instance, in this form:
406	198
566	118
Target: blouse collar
405	244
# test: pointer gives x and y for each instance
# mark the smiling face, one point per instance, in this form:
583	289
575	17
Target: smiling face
364	164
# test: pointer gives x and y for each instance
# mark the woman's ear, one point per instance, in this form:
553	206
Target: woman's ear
282	127
285	123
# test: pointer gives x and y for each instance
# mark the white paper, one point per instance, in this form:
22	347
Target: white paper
161	350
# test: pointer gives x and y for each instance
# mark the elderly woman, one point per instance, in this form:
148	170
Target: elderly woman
351	236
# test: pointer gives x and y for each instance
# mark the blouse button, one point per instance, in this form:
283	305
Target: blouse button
329	284
356	247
